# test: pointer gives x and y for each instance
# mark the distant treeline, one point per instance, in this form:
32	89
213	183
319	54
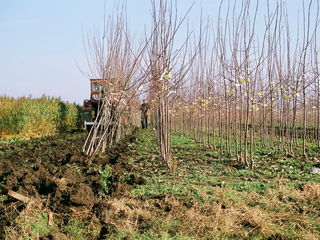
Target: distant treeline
36	117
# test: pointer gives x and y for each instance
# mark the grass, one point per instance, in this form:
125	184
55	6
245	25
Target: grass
13	140
209	198
32	223
78	230
260	149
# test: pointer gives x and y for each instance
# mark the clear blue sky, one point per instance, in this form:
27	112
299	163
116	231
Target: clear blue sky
41	41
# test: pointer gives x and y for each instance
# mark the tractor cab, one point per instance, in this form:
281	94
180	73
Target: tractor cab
91	106
96	89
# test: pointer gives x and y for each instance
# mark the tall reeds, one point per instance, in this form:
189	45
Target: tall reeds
37	117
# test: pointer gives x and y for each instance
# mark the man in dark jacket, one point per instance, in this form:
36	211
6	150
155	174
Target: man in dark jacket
144	114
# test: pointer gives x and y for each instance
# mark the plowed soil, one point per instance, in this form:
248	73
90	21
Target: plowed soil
55	171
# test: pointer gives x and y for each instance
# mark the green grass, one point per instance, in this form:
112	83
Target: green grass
150	235
13	140
260	149
40	226
205	178
201	167
76	229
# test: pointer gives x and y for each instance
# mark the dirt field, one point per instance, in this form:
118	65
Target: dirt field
55	173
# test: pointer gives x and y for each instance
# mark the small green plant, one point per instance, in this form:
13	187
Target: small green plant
3	198
258	187
80	229
13	140
76	229
245	173
105	174
125	178
40	226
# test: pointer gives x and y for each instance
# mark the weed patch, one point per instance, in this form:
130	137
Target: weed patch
105	175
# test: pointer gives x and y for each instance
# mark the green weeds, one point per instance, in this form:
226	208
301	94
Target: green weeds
105	175
40	227
125	177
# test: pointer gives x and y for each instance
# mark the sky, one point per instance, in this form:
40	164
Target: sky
41	41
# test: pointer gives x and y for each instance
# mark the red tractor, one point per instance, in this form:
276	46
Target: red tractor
91	106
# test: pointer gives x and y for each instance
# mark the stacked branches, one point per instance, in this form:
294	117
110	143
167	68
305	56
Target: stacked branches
115	59
125	70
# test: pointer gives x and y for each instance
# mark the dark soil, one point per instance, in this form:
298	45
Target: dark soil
55	170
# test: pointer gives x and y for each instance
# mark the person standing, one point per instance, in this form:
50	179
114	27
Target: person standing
144	114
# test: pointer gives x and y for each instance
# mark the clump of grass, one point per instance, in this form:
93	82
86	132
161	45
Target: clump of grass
81	229
76	229
32	223
128	214
105	175
37	117
37	222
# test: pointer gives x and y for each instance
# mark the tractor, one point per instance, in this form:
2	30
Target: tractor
91	106
118	100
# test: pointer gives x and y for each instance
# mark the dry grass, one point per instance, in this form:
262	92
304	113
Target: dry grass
275	215
220	220
310	193
32	223
37	222
226	215
128	214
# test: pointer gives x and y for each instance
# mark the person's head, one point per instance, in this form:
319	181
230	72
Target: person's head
143	101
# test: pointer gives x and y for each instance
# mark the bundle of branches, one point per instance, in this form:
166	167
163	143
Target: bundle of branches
125	70
114	60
